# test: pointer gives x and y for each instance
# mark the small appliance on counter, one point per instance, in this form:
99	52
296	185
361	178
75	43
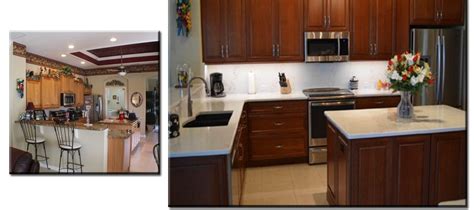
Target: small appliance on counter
173	126
285	87
73	114
217	87
353	83
59	114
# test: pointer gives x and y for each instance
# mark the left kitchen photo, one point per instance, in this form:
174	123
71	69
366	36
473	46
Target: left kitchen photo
84	102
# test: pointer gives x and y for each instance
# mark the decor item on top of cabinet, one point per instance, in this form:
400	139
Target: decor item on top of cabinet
407	73
20	87
66	70
183	21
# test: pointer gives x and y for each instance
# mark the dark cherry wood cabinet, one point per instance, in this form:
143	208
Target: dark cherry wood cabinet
448	167
278	132
372	29
437	12
223	31
275	30
415	170
377	102
326	15
402	26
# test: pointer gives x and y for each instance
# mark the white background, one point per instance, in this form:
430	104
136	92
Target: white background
80	192
97	192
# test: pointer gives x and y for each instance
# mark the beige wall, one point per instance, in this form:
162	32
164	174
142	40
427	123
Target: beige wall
136	82
17	104
184	49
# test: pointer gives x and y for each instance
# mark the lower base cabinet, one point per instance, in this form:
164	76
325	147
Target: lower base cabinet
419	170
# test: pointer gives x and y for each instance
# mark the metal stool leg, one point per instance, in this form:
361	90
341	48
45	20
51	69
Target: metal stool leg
27	147
67	161
73	162
60	158
45	155
80	159
36	152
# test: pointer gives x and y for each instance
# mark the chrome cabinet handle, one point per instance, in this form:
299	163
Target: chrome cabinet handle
278	146
371	49
227	50
378	102
278	50
278	123
222	51
278	107
325	21
329	22
273	50
375	49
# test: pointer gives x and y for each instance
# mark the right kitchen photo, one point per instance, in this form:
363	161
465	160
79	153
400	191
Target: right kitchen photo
317	103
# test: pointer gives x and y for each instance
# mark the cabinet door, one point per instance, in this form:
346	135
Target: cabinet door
452	12
331	161
338	15
371	170
383	29
423	12
290	46
402	26
212	18
235	30
411	170
260	43
33	92
361	36
47	92
448	167
342	165
79	93
315	13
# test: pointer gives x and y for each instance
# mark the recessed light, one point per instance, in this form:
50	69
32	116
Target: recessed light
113	39
63	55
71	46
82	62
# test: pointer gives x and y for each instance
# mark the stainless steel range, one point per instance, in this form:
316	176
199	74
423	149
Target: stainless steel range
321	100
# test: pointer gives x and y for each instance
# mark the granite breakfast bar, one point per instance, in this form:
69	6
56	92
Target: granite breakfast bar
374	158
104	150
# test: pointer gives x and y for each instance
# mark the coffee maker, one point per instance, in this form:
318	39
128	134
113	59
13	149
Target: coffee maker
217	87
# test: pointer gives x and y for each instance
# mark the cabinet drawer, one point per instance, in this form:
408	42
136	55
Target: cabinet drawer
278	107
265	147
377	102
262	123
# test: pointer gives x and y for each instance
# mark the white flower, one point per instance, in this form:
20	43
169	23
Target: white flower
409	58
420	78
396	76
413	81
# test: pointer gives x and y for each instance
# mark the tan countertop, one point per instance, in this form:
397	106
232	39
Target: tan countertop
78	125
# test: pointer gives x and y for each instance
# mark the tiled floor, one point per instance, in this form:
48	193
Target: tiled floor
295	184
142	159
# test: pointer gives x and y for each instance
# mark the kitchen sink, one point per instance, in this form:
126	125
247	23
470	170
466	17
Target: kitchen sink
210	119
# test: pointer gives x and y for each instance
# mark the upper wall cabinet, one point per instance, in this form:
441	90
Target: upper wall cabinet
275	30
437	12
372	29
223	30
326	15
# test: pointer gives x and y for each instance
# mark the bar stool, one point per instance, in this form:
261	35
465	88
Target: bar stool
29	132
156	155
65	135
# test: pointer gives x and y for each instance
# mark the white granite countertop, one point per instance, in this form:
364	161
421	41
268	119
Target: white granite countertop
374	93
217	140
373	123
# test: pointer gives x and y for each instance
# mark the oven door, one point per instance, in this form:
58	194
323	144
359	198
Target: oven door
318	121
326	46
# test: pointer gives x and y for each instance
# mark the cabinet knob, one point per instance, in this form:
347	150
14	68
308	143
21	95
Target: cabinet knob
278	146
378	102
278	123
278	107
273	50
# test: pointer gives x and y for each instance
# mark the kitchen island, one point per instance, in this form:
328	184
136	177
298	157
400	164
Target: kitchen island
374	158
103	150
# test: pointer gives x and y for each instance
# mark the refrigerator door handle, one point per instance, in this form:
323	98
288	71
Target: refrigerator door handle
438	69
443	68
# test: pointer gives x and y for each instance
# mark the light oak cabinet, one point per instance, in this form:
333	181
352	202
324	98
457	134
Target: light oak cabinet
33	92
50	95
437	12
67	84
79	92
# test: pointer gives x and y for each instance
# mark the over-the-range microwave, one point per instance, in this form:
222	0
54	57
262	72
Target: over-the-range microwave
326	46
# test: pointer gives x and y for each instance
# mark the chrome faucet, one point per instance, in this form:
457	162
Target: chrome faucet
190	102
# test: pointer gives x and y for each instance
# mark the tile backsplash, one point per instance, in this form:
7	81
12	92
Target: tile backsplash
301	75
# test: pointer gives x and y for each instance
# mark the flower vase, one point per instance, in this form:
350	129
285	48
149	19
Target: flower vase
405	107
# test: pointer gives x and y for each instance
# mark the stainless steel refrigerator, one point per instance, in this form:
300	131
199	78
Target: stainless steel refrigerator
96	110
445	50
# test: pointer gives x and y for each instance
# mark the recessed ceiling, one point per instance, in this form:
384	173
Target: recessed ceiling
53	44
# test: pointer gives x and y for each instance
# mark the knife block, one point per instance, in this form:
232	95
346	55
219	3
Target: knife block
286	90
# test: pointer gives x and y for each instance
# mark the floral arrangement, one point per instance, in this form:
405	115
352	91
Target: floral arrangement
66	70
183	21
407	72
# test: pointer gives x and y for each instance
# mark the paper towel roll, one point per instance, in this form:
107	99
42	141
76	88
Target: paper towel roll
252	89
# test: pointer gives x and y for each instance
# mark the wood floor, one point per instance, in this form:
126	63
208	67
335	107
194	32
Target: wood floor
142	160
295	184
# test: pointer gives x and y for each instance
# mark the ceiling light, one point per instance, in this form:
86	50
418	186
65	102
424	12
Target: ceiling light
63	55
70	46
82	62
113	39
122	73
